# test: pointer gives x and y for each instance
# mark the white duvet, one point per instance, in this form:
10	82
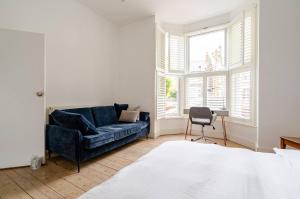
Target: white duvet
187	170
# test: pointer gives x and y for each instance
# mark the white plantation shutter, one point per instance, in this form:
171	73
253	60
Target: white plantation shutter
241	73
193	91
216	92
176	53
160	50
161	96
235	43
241	95
249	36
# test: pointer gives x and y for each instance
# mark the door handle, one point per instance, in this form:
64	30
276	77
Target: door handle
40	93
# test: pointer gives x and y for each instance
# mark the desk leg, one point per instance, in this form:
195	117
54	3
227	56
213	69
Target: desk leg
187	128
224	130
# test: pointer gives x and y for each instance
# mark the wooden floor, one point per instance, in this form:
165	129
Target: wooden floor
59	178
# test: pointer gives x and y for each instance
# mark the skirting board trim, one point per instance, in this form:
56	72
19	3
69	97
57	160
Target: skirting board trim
265	149
215	134
243	141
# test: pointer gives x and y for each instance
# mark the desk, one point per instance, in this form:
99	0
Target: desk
290	141
222	114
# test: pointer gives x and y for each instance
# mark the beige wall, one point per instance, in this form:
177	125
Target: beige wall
80	48
279	60
135	71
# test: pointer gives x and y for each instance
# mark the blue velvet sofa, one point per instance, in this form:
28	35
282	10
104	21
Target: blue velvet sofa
100	133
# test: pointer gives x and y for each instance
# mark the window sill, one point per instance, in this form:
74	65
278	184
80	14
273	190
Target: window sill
173	117
227	119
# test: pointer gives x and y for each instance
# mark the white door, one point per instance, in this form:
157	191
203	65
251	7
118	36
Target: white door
22	117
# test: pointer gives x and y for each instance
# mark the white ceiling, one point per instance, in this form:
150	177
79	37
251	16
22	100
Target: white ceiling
169	11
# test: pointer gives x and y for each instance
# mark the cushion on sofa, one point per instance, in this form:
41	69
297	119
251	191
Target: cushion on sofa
129	116
100	139
86	112
119	108
104	115
121	130
73	121
144	116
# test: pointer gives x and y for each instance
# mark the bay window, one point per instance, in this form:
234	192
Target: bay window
215	69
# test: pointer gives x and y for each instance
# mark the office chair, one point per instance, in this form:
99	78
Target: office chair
201	116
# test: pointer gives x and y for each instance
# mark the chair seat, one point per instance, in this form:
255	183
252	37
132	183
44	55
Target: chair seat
200	121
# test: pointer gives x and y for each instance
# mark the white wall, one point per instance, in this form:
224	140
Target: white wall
135	71
279	50
80	48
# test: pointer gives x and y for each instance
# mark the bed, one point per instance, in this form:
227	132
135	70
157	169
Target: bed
188	170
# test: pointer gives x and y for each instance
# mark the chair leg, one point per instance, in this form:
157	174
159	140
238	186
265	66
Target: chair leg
203	137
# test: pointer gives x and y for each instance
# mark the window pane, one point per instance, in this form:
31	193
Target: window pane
216	92
241	95
207	52
172	97
194	91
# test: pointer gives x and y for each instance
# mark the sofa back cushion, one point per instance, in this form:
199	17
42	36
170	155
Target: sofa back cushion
104	115
119	108
73	121
86	112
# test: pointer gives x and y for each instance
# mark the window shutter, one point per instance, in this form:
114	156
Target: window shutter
235	43
216	92
176	53
193	91
160	50
249	36
241	95
161	95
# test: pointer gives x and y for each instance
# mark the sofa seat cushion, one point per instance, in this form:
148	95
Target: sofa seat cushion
121	130
142	124
102	138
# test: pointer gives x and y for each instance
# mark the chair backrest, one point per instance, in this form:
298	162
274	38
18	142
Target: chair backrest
200	113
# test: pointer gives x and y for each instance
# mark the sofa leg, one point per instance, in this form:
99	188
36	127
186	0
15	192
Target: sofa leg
78	166
49	154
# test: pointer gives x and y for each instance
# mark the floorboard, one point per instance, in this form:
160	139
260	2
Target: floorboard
59	178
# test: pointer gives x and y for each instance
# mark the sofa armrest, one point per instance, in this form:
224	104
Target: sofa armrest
64	142
145	116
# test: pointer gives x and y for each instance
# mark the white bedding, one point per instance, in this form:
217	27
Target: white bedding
187	170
